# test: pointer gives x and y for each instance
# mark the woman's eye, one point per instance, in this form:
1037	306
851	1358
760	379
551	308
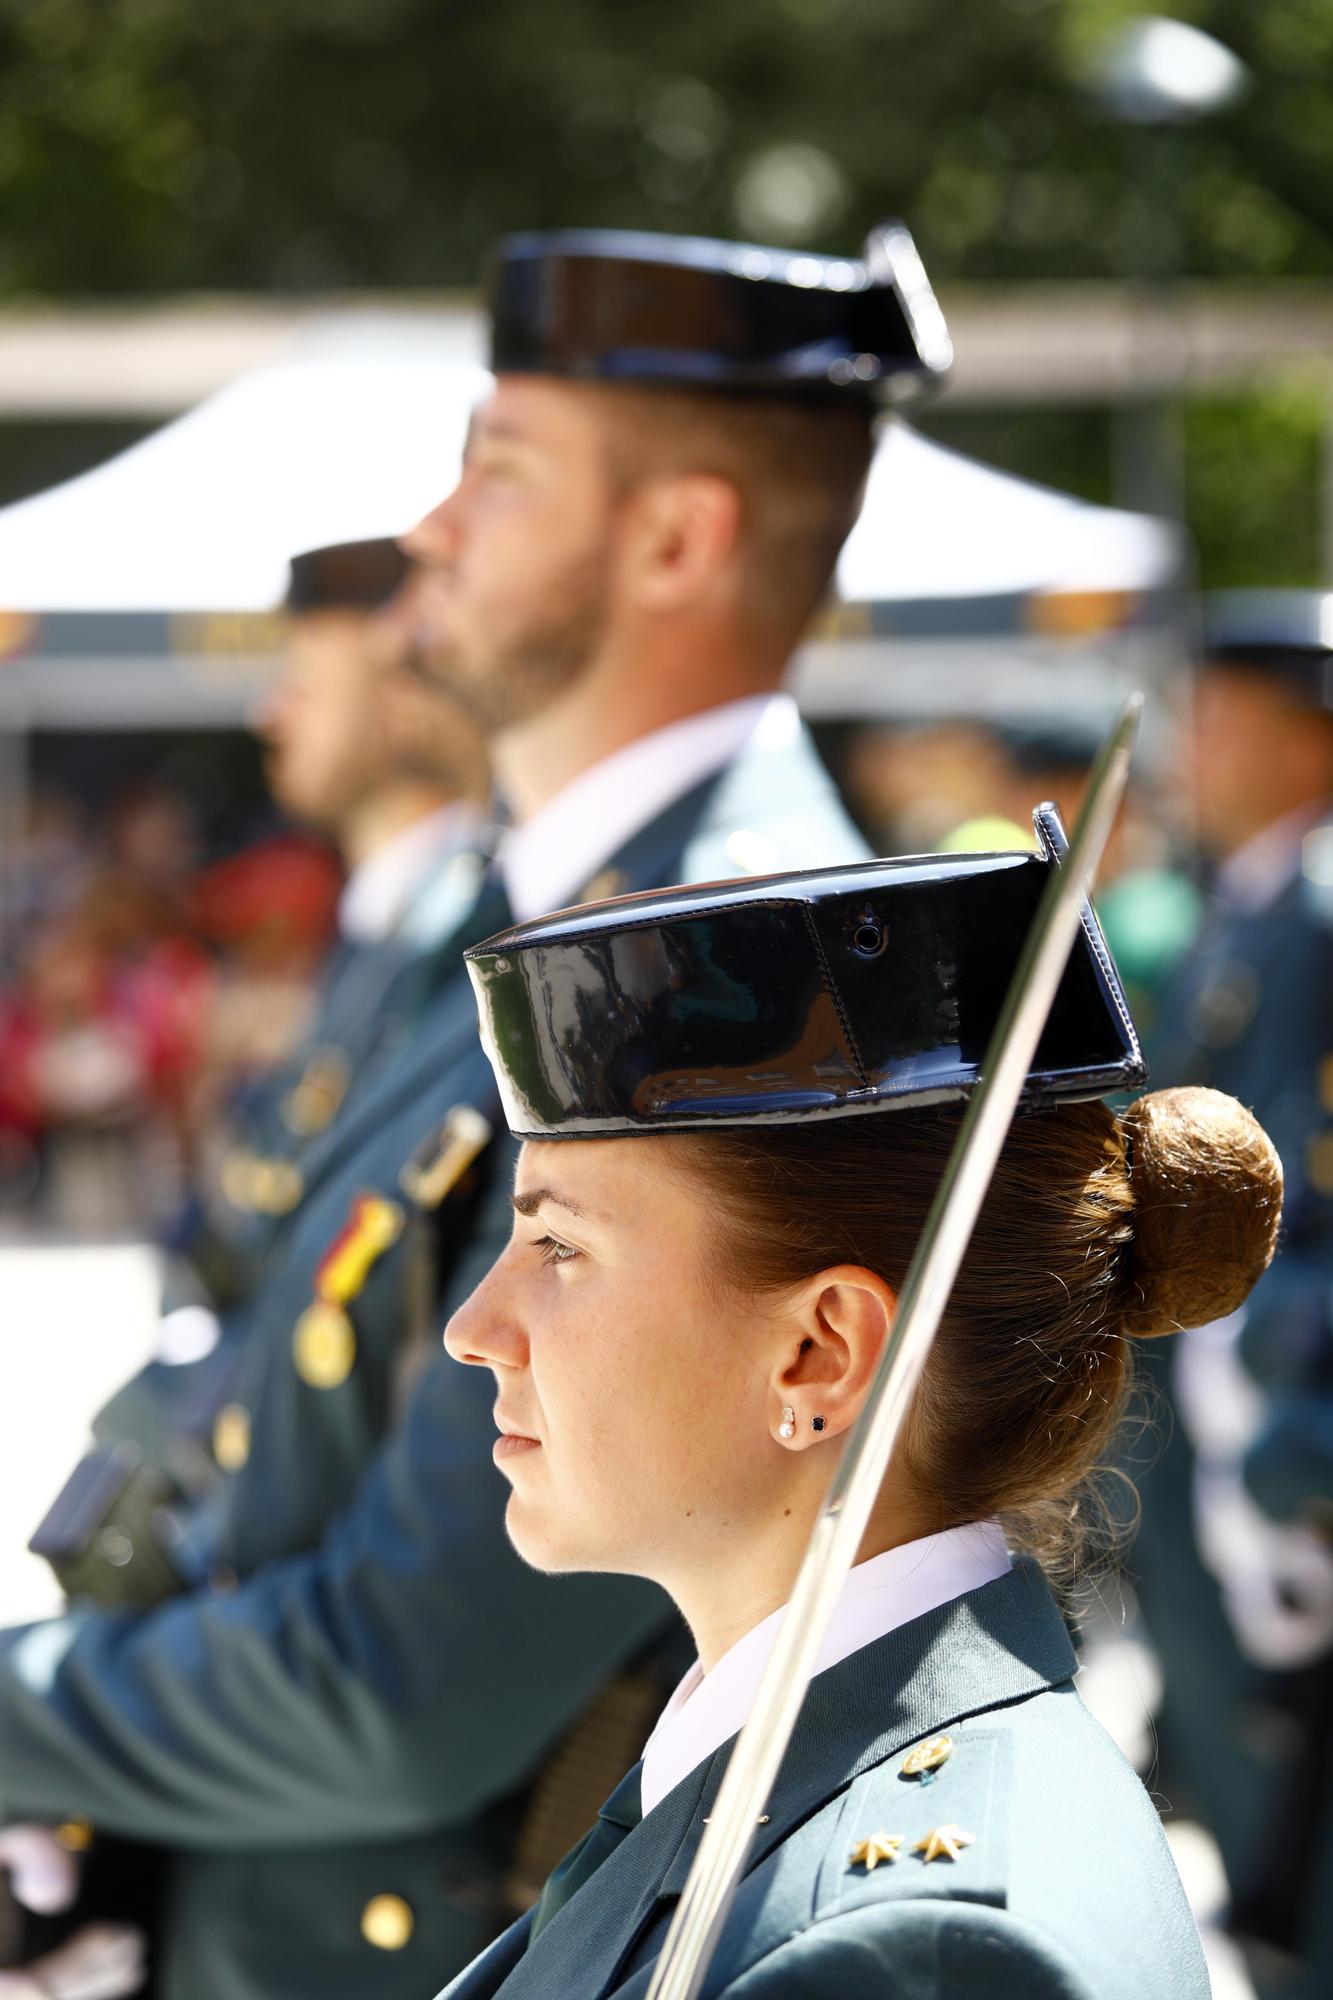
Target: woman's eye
553	1251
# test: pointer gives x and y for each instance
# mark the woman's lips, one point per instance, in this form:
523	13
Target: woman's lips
512	1447
511	1443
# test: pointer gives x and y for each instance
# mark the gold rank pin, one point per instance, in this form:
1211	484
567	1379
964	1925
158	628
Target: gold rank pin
926	1759
315	1101
877	1847
260	1186
943	1843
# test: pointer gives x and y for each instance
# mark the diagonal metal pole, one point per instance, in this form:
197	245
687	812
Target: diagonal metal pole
838	1532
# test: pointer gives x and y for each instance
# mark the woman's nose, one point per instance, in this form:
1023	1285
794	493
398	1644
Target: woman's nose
484	1332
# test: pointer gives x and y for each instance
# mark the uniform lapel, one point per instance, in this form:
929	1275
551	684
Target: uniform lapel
995	1645
584	1943
489	1970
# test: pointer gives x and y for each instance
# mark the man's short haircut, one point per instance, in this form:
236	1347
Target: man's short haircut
799	466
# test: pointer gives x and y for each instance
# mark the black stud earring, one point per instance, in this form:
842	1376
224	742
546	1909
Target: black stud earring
816	1423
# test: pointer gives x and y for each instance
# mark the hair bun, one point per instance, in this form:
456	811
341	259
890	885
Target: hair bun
1207	1186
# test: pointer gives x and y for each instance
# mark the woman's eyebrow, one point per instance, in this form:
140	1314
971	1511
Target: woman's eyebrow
528	1204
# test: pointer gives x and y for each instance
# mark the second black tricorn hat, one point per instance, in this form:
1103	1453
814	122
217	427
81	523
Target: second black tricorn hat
616	305
784	998
346	576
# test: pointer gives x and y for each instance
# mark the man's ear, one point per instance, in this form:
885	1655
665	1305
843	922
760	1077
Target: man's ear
834	1333
681	538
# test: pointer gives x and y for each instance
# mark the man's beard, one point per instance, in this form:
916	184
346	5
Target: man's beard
507	682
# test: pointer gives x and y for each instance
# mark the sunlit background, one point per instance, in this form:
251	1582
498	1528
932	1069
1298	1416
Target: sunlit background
286	203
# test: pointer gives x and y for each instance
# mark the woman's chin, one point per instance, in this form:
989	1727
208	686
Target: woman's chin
542	1544
533	1535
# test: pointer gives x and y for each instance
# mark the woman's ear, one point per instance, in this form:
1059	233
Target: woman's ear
681	538
836	1325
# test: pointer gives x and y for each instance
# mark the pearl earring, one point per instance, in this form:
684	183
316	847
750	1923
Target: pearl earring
787	1428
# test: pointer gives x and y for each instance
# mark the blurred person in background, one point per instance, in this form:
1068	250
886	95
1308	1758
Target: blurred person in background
339	1719
395	778
910	784
1236	1546
402	798
100	1039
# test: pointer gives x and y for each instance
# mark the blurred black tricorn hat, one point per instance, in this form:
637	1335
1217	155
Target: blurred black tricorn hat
692	312
346	576
1283	634
784	998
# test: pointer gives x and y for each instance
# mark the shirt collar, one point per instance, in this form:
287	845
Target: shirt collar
378	896
546	861
878	1596
1256	874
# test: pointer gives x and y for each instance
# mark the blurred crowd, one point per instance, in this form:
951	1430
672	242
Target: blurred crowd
147	982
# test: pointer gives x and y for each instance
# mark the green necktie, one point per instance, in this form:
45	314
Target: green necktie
619	1816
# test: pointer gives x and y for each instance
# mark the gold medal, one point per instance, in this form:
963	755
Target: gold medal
324	1345
260	1186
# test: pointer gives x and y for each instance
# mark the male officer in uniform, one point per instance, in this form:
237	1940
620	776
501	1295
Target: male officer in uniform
398	781
335	1728
1236	1544
344	754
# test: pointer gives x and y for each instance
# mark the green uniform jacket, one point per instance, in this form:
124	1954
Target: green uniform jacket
345	1712
1067	1890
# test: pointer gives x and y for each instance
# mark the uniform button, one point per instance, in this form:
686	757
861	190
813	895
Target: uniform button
114	1546
387	1922
231	1437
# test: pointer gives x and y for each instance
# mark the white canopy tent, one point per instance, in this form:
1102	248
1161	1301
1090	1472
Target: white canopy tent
360	430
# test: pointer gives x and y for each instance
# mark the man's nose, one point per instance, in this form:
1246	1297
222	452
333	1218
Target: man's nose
434	540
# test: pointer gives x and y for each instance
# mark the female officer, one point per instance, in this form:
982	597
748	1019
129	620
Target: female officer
685	1326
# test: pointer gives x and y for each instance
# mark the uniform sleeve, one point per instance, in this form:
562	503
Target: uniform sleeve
936	1950
379	1685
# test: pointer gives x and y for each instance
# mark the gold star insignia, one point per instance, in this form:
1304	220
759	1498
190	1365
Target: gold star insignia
876	1848
942	1843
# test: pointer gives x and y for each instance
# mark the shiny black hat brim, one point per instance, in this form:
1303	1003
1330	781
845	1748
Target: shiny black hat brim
623	306
789	998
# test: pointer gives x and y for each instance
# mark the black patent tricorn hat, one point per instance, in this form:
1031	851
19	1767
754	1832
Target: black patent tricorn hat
783	998
691	312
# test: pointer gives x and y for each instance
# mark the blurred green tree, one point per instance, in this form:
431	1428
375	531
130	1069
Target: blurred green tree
154	146
150	145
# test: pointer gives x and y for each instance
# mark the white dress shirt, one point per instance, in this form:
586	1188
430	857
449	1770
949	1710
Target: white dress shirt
550	857
389	894
878	1597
